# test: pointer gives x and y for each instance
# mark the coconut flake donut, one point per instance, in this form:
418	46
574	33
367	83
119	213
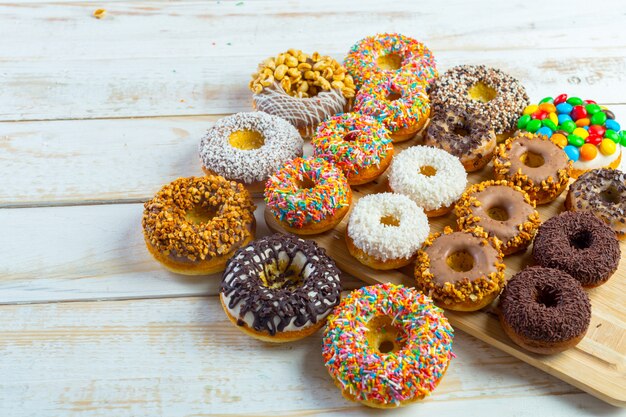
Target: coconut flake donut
248	147
358	144
385	230
431	177
492	94
280	288
194	225
308	196
399	101
388	54
387	346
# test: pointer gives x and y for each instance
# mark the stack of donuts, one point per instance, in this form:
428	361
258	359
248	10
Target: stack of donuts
386	110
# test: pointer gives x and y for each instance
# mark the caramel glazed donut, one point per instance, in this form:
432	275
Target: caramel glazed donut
280	288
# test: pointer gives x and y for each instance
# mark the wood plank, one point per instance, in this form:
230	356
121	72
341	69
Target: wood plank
183	357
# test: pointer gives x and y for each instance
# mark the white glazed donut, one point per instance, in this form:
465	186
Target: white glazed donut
249	147
431	177
385	230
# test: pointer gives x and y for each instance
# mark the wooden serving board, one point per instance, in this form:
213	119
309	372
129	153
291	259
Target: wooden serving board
596	365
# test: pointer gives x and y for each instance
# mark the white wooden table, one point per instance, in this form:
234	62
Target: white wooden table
98	114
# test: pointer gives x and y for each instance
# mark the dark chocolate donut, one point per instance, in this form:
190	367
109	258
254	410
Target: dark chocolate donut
544	310
580	244
280	283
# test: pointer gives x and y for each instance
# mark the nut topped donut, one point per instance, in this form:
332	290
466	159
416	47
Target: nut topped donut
602	192
535	164
399	100
388	54
248	147
492	94
194	225
464	135
358	144
280	288
387	346
501	209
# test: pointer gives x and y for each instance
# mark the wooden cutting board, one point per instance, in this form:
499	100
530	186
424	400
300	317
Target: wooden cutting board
596	365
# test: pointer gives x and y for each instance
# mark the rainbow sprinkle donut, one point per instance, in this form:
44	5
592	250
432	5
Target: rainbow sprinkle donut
308	196
387	54
387	345
358	144
587	132
399	101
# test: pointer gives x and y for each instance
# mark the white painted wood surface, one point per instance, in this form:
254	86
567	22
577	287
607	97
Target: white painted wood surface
106	111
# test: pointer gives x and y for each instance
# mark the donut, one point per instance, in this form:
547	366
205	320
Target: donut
387	346
431	177
194	225
301	88
308	196
491	93
248	147
580	244
359	145
587	132
535	164
461	271
502	210
400	101
544	310
280	288
602	192
385	230
387	54
461	133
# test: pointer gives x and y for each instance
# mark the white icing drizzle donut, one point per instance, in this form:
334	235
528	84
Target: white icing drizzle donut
430	192
385	241
282	143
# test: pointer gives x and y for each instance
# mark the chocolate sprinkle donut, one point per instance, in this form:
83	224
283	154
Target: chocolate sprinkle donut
580	244
545	305
280	283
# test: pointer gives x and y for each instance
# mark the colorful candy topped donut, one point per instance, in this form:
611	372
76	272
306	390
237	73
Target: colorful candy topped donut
387	54
587	132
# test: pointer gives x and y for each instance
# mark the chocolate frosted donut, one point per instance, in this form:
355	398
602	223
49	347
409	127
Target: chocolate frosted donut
280	288
464	135
580	244
544	310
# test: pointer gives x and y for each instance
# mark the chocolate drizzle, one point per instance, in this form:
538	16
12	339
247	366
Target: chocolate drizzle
281	280
545	305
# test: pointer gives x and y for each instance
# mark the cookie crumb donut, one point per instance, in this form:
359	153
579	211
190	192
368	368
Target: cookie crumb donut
387	54
280	288
535	164
544	310
385	230
580	244
461	271
248	147
431	177
386	346
400	101
358	144
502	210
308	196
301	88
602	192
194	225
464	135
491	93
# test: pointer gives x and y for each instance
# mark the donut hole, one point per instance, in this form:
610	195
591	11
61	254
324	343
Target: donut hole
351	136
460	261
460	130
547	296
428	171
383	336
281	275
610	196
390	61
500	214
482	92
390	220
532	159
305	183
581	240
246	140
200	213
393	95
